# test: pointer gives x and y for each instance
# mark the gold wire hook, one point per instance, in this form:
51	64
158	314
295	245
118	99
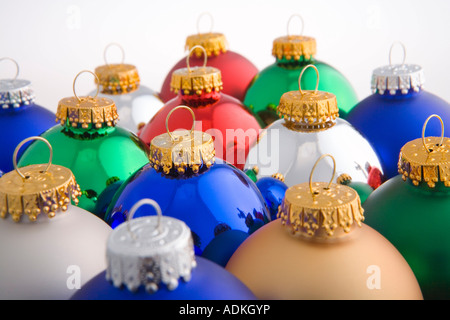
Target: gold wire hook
17	66
205	58
170	113
300	78
75	80
314	167
16	151
136	206
404	52
117	45
425	126
198	21
289	23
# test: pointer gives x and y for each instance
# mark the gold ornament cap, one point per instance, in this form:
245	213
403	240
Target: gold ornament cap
294	47
308	110
37	188
87	111
118	78
214	44
196	80
317	210
181	151
426	159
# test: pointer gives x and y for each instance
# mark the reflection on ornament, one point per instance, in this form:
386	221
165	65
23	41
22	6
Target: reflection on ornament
191	184
233	127
293	53
273	190
394	113
18	115
318	250
51	247
152	258
88	142
120	82
237	71
311	127
415	214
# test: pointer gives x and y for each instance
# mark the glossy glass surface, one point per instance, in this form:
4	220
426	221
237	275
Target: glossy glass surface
237	73
18	124
416	221
263	95
209	282
294	153
135	107
389	122
219	199
227	120
273	191
93	156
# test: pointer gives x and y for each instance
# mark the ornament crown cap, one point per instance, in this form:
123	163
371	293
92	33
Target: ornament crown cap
307	110
397	78
317	210
87	111
426	159
15	93
36	188
150	251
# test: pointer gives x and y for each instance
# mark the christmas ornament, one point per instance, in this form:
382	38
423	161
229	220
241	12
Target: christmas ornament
152	258
234	128
292	54
320	249
272	189
136	104
412	210
190	184
311	127
50	247
399	103
18	116
237	71
88	142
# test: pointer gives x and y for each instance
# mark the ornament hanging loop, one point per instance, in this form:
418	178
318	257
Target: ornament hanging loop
425	126
289	23
205	56
75	80
211	19
16	151
314	167
404	52
117	45
300	78
15	62
170	113
136	206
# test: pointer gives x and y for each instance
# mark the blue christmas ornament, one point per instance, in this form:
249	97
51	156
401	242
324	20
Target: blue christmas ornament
273	190
190	184
20	117
152	258
393	115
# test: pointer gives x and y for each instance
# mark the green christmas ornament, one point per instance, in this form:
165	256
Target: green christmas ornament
292	53
413	213
88	142
363	189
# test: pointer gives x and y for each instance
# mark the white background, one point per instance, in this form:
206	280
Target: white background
53	40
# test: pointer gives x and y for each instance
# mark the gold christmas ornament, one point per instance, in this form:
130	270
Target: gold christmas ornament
196	80
181	149
426	159
87	111
36	189
319	249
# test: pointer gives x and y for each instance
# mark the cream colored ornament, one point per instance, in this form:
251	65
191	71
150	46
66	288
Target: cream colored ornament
319	249
50	248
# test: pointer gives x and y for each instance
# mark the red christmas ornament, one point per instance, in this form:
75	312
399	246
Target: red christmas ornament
237	71
225	118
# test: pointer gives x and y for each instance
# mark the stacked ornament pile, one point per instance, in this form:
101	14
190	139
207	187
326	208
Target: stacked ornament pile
205	189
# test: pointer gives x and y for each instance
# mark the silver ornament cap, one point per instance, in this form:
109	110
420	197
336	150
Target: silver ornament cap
397	78
150	251
15	93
